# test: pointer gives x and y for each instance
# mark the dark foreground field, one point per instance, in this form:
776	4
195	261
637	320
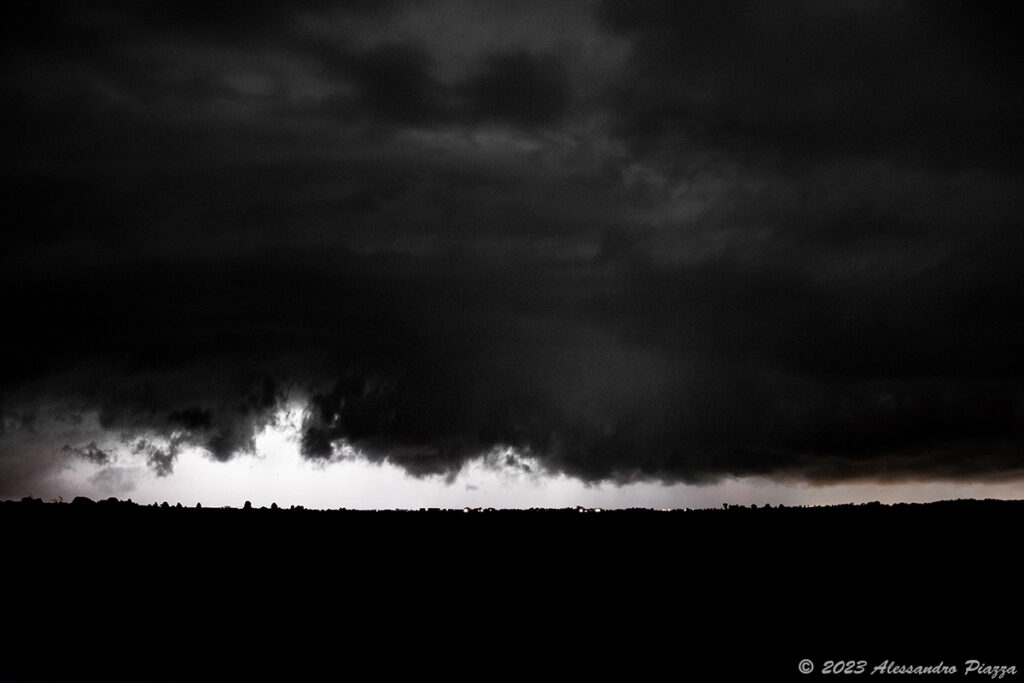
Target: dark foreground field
112	591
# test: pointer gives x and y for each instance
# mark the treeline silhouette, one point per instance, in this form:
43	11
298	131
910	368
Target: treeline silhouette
958	506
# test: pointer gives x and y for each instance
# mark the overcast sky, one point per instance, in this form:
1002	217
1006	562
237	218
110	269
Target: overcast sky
512	253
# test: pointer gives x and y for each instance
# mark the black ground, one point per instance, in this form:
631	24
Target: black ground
113	591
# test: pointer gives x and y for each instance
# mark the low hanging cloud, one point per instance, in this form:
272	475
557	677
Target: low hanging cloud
650	241
90	452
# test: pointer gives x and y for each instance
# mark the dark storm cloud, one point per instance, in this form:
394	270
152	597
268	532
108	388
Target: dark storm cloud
670	241
518	88
933	83
225	426
395	85
162	459
90	452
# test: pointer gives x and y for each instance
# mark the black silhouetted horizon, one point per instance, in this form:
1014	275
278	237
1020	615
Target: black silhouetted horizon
115	591
84	503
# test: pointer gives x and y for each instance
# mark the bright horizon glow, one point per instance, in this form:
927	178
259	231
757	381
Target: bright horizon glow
503	478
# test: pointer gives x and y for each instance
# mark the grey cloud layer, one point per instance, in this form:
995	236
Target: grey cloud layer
642	240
